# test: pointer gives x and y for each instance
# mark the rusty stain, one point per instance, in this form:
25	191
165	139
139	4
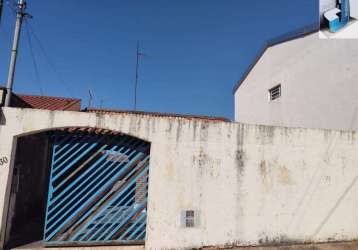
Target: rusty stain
169	126
206	164
284	176
266	134
169	171
264	175
179	131
52	118
201	159
157	114
99	120
240	155
204	132
263	170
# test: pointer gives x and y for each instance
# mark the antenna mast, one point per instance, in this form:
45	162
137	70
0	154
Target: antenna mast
90	98
20	14
139	54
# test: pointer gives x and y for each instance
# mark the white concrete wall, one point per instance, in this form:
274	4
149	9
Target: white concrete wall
319	85
251	184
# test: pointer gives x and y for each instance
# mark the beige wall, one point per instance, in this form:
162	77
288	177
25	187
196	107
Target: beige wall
250	184
319	81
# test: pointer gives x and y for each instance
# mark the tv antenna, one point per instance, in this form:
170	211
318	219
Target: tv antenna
139	54
90	98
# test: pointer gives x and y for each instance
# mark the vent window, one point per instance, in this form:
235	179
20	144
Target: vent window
189	218
275	92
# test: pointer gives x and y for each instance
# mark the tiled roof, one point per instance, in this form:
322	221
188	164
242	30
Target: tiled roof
157	114
49	102
72	104
89	130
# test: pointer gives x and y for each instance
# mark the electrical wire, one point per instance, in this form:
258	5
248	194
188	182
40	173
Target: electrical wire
5	36
34	63
12	8
50	63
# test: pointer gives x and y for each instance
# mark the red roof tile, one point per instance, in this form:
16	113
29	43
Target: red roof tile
116	111
50	102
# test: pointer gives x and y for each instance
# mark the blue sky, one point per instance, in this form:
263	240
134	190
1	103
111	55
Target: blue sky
195	50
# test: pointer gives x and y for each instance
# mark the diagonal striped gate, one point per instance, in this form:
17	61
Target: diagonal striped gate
98	188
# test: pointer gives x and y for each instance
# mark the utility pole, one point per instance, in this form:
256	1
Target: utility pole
20	14
139	54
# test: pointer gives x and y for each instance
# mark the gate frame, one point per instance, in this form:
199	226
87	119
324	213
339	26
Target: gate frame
6	210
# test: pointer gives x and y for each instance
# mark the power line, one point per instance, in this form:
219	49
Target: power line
12	8
37	75
49	61
5	36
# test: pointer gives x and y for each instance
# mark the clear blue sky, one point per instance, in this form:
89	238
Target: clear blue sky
195	49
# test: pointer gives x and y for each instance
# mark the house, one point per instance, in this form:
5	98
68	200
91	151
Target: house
42	102
298	80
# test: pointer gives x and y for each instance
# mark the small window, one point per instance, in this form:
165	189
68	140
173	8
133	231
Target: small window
275	92
188	218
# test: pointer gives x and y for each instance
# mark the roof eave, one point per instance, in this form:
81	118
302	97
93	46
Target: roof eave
298	33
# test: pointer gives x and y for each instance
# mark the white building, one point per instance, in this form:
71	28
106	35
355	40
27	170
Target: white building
299	80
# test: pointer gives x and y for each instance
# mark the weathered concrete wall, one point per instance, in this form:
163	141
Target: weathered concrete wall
251	184
318	81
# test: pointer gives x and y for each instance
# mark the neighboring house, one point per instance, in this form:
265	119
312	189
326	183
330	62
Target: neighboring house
299	80
44	102
74	104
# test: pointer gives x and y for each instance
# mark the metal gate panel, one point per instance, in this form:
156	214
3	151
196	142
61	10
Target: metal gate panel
98	189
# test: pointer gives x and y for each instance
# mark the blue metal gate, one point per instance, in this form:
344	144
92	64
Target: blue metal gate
98	188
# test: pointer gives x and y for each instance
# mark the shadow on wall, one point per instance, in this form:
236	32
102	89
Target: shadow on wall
334	208
28	193
2	117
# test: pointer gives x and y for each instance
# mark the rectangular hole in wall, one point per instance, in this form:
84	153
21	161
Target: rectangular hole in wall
189	219
275	92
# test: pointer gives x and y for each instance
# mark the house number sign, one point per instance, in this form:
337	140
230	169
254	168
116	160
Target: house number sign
3	160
